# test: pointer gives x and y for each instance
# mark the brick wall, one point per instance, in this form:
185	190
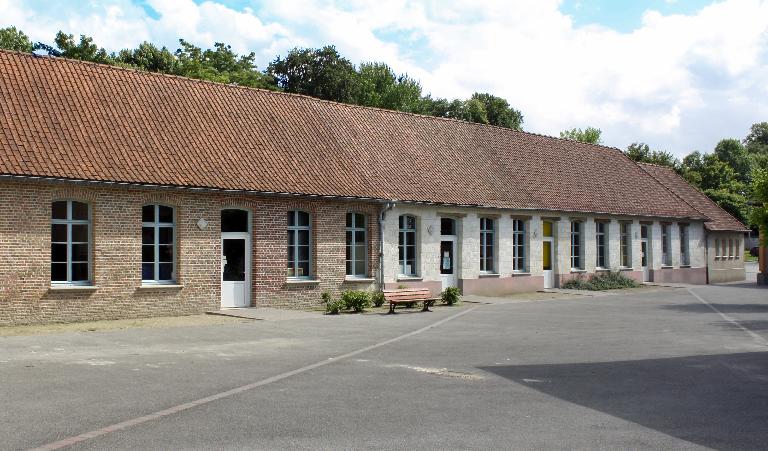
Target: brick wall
25	288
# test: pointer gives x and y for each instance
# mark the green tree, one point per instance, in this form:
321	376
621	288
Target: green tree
321	73
499	112
378	86
734	154
219	64
642	153
757	140
84	49
13	39
759	192
588	135
148	57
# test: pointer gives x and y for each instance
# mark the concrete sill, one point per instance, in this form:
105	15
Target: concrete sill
73	288
489	274
521	273
602	270
359	280
160	286
409	279
578	271
626	268
685	266
667	267
302	281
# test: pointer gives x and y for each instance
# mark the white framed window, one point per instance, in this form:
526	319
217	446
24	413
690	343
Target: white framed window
407	245
717	248
685	255
299	244
601	244
70	242
576	245
625	245
730	248
666	256
518	245
158	239
487	245
357	245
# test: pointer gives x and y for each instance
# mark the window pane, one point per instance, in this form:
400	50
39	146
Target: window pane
80	252
233	220
303	219
302	270
79	233
360	236
79	272
147	235
360	252
410	239
166	271
349	252
59	272
165	214
447	226
165	253
401	253
350	219
148	253
360	268
410	252
303	237
349	268
410	222
349	238
166	235
359	220
291	218
59	233
401	222
59	253
59	210
79	211
148	213
291	237
303	252
147	271
291	272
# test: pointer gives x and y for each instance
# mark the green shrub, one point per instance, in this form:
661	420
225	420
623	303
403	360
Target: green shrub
450	295
601	281
377	297
326	297
356	300
334	307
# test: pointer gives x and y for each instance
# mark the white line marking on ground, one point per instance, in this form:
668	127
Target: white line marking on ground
755	336
225	394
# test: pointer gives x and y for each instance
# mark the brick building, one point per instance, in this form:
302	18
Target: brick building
129	194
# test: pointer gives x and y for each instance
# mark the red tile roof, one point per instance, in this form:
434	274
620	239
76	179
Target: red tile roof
719	219
75	120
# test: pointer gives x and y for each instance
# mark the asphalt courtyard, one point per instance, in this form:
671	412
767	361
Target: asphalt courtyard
650	369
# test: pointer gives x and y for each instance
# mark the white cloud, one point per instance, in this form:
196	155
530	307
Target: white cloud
678	81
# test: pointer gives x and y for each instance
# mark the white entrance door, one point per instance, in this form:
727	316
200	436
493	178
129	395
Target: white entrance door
547	266
644	258
235	270
448	262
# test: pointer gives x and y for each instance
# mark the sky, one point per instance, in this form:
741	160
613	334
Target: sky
677	74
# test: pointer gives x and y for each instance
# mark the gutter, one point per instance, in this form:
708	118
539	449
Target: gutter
382	215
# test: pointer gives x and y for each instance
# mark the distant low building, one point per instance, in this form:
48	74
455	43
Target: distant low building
129	194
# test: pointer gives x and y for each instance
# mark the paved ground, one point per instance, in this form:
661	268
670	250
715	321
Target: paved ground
649	369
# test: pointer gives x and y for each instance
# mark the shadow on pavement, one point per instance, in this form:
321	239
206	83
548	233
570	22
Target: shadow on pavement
725	308
719	401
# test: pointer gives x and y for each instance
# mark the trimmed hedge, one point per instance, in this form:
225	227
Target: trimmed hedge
601	281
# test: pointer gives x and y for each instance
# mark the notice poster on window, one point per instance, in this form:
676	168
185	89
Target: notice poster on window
446	260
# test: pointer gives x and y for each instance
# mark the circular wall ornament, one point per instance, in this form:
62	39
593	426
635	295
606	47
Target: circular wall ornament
202	224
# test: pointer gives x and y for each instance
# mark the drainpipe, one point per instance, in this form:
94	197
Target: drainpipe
382	216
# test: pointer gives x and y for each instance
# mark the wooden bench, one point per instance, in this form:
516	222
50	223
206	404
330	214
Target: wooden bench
408	296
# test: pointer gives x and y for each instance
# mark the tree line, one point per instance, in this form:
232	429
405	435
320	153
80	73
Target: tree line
317	72
734	174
